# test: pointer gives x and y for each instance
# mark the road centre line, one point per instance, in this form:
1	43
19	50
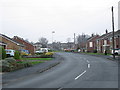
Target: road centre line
80	75
87	61
88	65
60	88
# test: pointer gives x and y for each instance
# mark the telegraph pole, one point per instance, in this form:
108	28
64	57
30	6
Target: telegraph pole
74	40
113	32
52	38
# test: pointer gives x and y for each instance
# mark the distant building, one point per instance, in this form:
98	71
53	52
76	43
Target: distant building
8	43
28	45
61	46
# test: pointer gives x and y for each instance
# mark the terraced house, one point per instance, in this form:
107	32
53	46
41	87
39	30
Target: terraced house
9	43
91	45
104	42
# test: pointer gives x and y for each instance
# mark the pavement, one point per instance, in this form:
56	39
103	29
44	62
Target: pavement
110	57
75	71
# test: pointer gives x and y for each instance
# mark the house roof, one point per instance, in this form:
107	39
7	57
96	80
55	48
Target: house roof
2	43
11	39
23	40
109	34
96	36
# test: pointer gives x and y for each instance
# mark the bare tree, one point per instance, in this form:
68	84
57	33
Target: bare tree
81	40
43	42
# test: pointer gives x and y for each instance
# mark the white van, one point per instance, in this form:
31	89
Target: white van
42	50
10	52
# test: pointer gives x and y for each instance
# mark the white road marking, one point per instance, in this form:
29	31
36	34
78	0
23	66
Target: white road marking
60	89
87	61
80	75
88	65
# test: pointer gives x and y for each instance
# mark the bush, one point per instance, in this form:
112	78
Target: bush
10	64
2	53
10	60
94	51
17	55
6	67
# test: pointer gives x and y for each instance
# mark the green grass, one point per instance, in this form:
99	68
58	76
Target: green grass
36	62
33	63
36	58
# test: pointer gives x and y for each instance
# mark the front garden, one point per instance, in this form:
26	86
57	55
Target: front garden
8	64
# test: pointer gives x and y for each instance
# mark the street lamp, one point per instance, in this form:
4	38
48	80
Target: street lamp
52	38
113	32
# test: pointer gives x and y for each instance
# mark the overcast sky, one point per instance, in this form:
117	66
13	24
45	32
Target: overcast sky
32	19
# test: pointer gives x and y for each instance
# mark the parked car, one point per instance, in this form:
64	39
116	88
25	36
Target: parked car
39	51
24	52
10	52
117	51
42	50
79	50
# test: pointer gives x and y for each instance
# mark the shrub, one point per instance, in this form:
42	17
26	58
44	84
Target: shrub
17	55
2	53
12	61
6	67
10	64
94	51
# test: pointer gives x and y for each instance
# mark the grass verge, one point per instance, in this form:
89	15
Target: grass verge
36	58
33	63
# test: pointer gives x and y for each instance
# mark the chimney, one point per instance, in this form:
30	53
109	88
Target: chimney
92	35
106	31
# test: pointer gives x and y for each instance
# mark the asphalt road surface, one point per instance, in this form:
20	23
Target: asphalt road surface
75	71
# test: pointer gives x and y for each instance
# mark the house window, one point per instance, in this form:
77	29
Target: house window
91	44
105	42
110	39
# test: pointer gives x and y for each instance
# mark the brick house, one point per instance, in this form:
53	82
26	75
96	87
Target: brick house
28	46
8	43
91	44
105	41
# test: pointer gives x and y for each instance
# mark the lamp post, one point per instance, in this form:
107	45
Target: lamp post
52	38
113	32
74	41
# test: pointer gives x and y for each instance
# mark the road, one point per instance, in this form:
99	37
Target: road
75	71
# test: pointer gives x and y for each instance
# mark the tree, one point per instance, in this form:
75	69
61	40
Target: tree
2	53
43	42
81	40
17	55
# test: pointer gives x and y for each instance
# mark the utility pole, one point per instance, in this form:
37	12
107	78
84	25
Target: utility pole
52	38
113	32
74	40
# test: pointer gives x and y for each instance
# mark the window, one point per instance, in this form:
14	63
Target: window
90	44
105	42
